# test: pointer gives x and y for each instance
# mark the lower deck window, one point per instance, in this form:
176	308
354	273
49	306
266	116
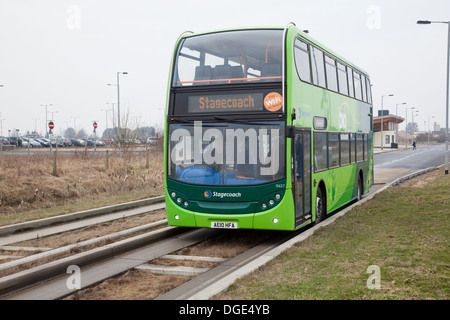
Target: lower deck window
332	150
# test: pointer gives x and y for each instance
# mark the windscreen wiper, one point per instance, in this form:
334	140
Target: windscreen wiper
244	121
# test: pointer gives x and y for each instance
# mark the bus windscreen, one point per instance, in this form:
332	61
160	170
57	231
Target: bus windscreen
232	57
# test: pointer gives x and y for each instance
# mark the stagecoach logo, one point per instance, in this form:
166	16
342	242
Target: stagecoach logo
207	194
303	114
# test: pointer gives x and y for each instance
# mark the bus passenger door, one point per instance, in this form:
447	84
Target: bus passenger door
301	153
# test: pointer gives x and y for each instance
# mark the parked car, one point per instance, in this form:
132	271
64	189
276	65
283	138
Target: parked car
43	142
66	142
100	143
38	143
30	142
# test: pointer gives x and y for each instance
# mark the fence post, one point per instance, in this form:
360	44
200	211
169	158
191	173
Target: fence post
54	164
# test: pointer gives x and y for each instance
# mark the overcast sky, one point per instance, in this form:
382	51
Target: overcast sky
65	53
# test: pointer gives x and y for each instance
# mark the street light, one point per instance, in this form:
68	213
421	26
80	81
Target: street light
1	129
406	126
46	123
382	141
75	123
429	133
413	126
447	89
396	121
118	103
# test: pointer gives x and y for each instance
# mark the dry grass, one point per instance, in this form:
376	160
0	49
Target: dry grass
27	183
227	244
133	285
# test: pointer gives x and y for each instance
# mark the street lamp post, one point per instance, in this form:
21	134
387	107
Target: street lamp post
429	133
46	121
413	126
406	126
1	129
396	121
118	98
447	89
382	138
118	105
35	124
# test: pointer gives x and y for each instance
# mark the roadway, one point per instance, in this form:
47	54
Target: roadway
390	165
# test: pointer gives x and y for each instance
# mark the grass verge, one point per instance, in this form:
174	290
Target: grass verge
404	231
29	190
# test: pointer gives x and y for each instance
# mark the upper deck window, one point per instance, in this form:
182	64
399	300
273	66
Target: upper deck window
247	56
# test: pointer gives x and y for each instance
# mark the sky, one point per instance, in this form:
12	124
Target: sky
63	54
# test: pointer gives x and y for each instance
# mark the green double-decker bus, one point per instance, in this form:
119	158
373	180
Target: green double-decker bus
265	129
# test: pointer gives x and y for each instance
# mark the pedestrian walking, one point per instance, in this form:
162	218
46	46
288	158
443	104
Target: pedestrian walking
414	145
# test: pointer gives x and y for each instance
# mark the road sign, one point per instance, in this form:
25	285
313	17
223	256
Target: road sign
95	125
51	125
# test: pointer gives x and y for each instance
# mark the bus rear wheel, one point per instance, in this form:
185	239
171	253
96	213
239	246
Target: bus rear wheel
360	189
320	206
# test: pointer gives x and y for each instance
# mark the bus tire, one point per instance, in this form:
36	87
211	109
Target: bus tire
320	206
360	188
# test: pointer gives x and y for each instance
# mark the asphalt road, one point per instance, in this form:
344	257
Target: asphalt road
392	165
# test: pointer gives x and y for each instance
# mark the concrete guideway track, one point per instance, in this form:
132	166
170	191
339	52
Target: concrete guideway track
57	287
45	227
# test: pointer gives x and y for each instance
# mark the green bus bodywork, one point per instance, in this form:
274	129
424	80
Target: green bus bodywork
244	203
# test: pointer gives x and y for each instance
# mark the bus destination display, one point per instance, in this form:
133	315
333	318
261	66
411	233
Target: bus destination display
226	103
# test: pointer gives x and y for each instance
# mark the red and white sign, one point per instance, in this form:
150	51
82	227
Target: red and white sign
51	125
95	125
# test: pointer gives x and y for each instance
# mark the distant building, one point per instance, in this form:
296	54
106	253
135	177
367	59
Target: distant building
390	124
437	127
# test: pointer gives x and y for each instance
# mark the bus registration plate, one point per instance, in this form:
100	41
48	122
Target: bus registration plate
224	225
